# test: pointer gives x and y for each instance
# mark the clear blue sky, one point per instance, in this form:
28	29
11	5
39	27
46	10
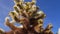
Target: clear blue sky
50	7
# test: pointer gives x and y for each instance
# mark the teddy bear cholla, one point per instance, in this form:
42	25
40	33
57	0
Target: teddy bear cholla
31	18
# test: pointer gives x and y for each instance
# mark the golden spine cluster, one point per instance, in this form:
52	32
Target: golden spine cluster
31	18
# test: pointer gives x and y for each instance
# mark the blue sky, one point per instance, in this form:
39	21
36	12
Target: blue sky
50	7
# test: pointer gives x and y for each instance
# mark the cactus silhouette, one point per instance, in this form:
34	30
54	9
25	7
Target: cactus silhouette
31	18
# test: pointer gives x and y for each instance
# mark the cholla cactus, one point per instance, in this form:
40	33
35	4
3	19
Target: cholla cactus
31	18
